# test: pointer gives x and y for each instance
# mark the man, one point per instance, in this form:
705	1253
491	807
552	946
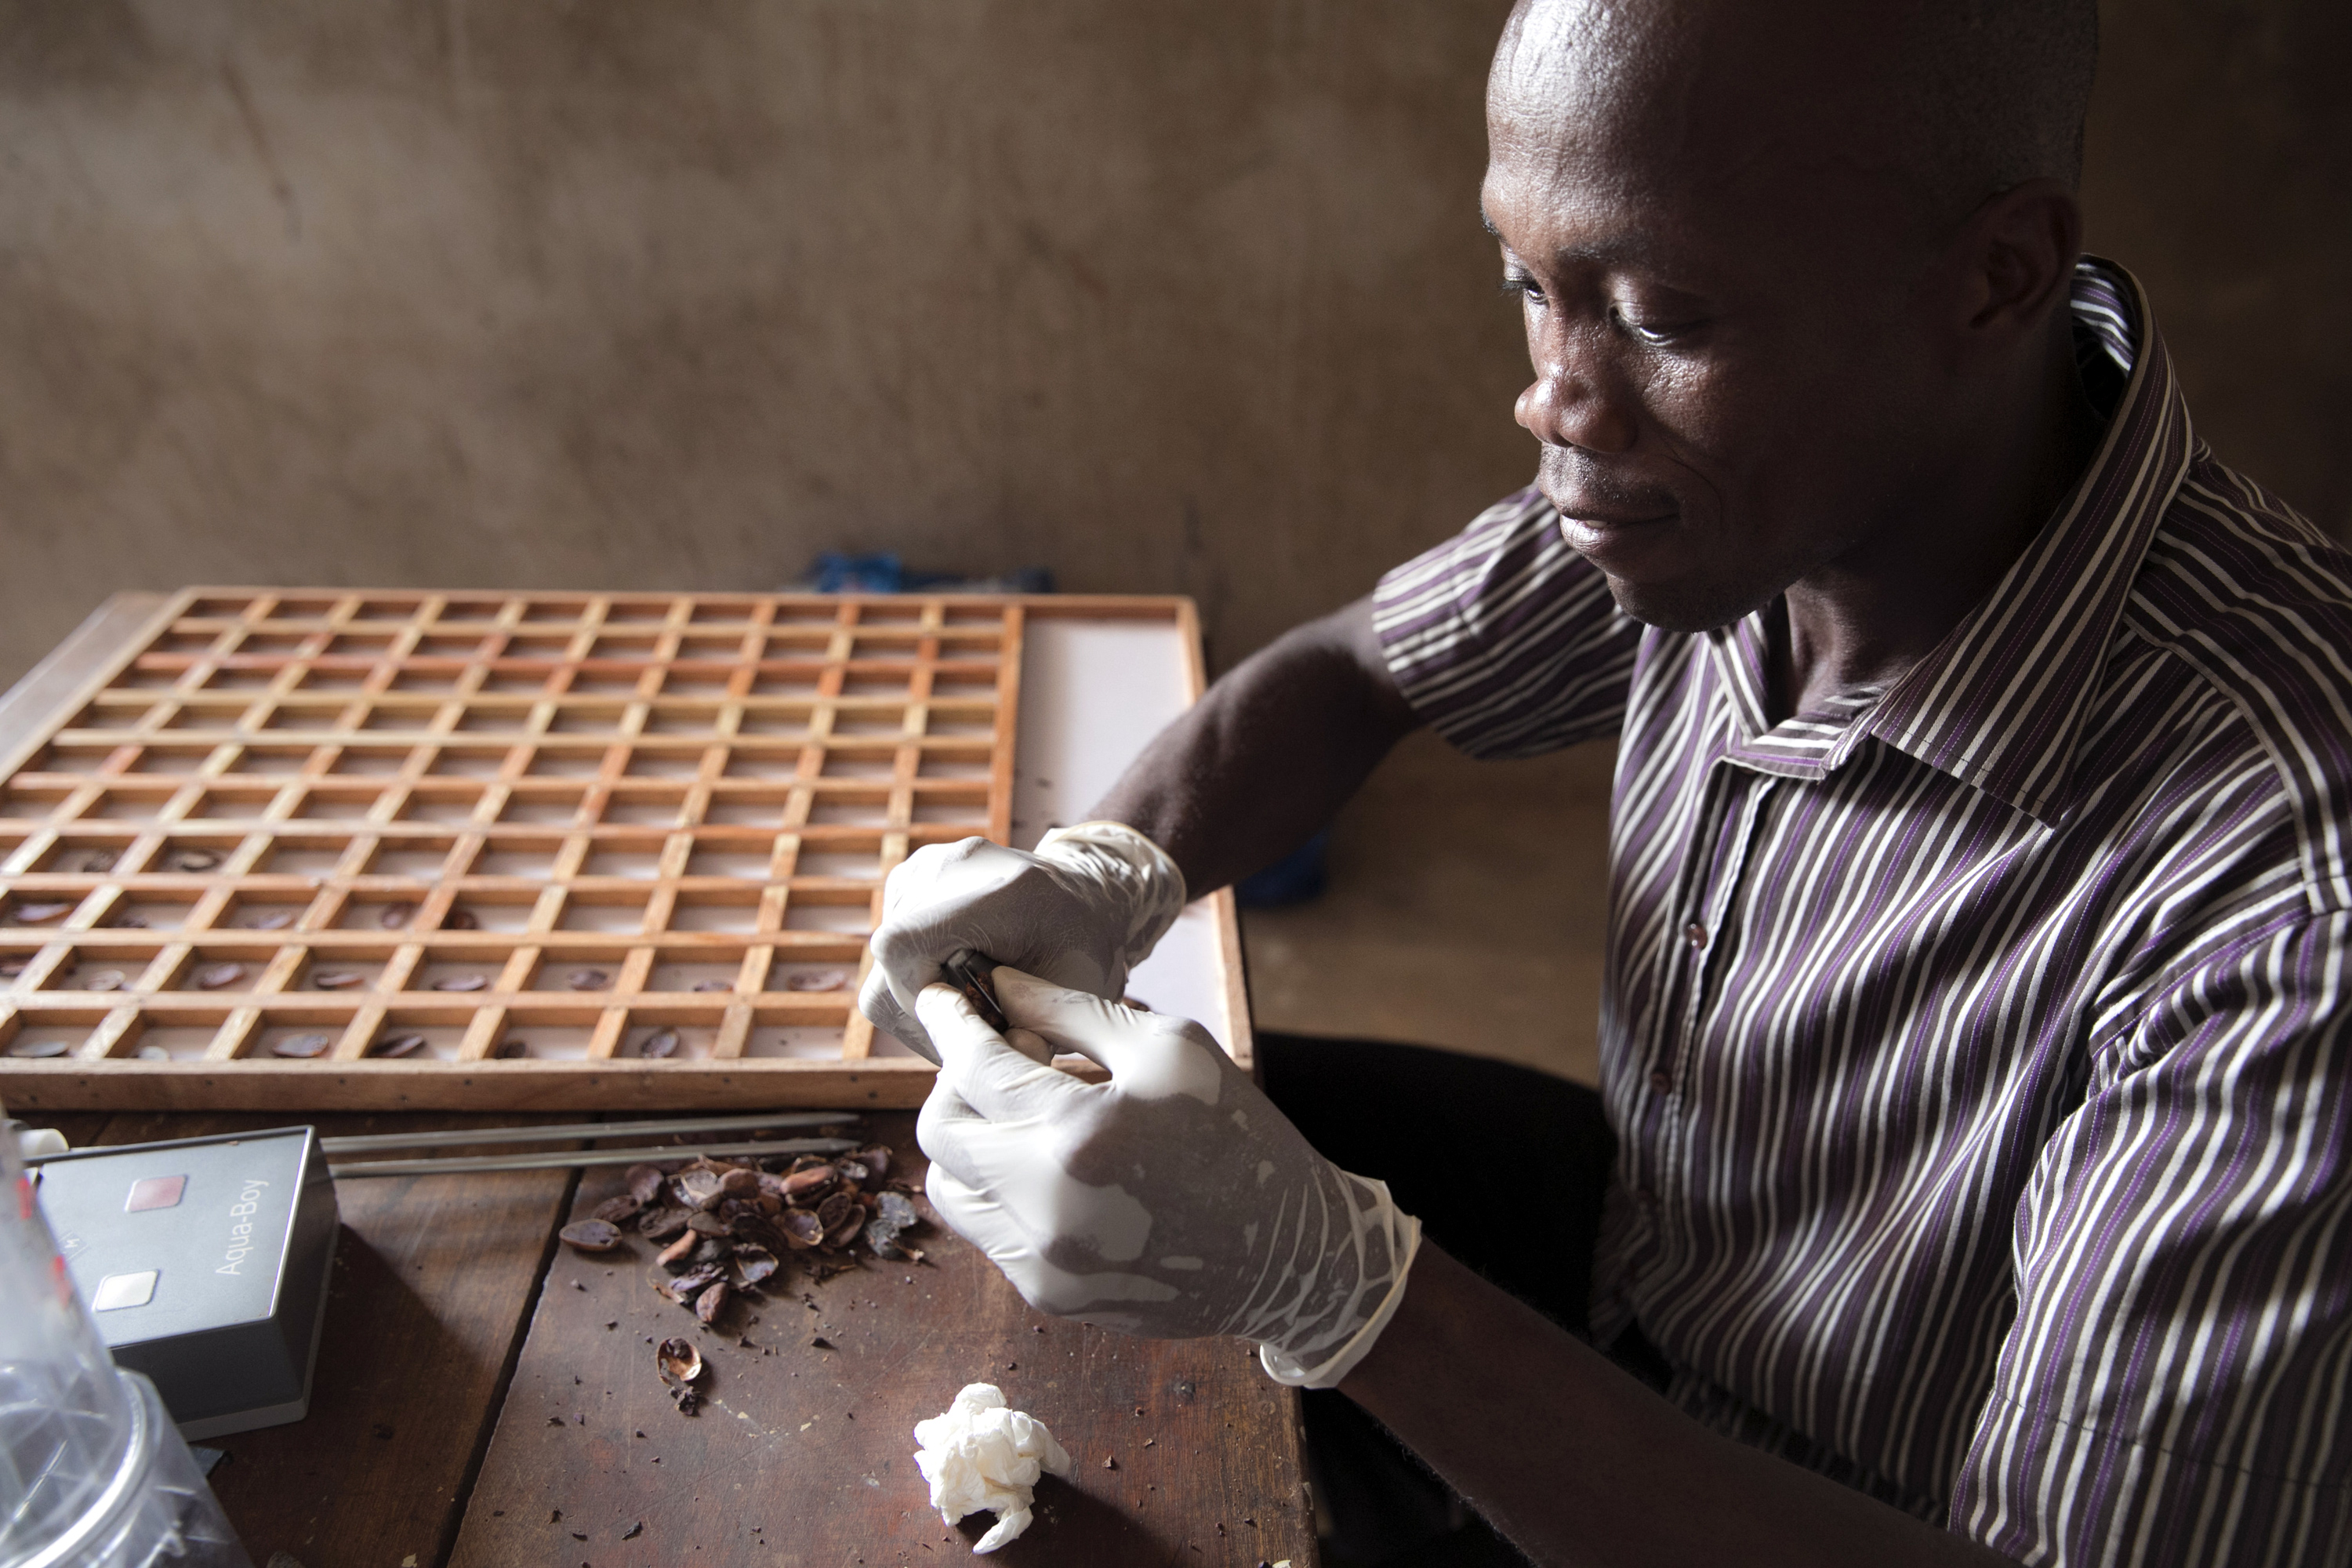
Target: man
1973	1039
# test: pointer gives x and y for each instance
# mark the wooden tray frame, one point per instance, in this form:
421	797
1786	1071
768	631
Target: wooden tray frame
619	655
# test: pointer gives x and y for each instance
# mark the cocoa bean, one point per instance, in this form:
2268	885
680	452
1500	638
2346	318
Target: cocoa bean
591	1236
302	1045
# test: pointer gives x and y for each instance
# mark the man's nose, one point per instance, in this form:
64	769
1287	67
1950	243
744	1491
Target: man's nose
1569	406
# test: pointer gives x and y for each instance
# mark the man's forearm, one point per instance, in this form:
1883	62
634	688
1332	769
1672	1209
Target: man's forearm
1578	1463
1268	754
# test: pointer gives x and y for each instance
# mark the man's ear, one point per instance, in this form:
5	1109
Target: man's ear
2018	251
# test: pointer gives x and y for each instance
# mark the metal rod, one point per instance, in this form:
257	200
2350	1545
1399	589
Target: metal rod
366	1142
565	1159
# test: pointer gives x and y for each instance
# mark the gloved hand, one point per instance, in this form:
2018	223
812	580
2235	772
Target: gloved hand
1085	909
1173	1201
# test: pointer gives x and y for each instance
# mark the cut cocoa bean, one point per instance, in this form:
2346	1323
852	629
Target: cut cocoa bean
153	1054
511	1050
461	920
713	1301
462	983
714	986
660	1044
28	912
661	1223
12	967
395	916
589	978
687	1286
817	980
617	1209
276	920
196	860
801	1228
131	923
337	980
679	1363
104	980
39	1049
591	1236
103	860
398	1045
302	1045
218	977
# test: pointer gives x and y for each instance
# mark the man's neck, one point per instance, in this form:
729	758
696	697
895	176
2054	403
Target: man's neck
1861	620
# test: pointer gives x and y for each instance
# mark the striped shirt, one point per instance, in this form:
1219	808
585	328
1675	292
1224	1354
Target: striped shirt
1978	1047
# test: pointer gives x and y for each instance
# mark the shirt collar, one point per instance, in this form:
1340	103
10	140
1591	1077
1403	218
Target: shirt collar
1999	702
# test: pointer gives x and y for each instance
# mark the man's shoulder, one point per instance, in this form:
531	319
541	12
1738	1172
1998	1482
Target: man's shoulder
2254	604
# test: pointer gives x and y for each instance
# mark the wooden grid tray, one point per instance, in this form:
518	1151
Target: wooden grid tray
284	813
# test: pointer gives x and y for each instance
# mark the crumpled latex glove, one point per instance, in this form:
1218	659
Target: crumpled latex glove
1086	907
1172	1201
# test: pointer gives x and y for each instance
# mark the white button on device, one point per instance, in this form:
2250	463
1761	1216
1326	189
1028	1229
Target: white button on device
119	1290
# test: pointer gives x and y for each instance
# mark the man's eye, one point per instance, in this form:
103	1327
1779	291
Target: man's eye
1656	337
1522	286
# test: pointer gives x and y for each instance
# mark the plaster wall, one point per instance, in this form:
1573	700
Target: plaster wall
1188	295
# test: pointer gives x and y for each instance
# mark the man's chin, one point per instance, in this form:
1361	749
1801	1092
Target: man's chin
1685	607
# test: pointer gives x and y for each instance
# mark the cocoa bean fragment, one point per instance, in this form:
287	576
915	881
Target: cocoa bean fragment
714	986
398	1045
591	1236
835	1209
462	983
817	980
395	916
660	1222
852	1171
687	1286
218	977
660	1044
337	980
740	1183
617	1208
39	1049
696	1187
894	1209
713	1301
28	912
196	860
645	1183
702	1222
875	1158
302	1045
131	923
589	978
753	1264
677	1253
801	1228
801	1185
461	920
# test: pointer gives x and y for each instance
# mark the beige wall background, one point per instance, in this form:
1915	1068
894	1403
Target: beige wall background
1188	295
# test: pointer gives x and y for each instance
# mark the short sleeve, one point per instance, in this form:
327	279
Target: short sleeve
2176	1387
1503	639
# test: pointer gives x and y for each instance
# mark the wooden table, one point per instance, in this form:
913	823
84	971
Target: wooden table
485	1396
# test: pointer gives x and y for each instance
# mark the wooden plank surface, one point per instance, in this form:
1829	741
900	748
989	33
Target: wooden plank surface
804	1454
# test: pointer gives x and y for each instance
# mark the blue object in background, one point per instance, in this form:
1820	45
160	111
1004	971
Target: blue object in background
839	572
1296	879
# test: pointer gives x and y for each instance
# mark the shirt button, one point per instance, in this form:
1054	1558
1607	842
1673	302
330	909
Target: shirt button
1695	934
1660	1080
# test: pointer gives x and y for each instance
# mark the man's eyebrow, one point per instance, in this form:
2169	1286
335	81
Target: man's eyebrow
1488	224
1625	249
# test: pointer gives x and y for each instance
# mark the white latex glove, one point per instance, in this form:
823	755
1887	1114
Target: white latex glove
1086	907
1173	1201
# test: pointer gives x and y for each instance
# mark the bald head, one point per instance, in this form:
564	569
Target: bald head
1951	100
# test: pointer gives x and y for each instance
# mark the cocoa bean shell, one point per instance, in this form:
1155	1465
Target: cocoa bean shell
645	1183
